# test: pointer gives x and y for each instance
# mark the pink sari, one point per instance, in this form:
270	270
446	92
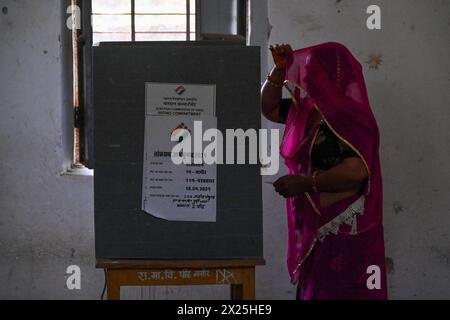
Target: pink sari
327	77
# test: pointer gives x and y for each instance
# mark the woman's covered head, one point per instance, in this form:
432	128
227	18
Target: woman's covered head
332	60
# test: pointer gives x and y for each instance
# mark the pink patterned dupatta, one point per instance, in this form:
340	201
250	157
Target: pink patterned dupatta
327	77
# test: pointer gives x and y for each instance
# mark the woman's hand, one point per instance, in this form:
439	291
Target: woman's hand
280	54
292	185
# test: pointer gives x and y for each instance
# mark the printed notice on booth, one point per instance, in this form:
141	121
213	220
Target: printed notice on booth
185	192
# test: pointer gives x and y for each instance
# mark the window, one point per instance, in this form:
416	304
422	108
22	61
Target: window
143	20
117	20
136	20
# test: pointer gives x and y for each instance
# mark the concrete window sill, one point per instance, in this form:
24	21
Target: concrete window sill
79	171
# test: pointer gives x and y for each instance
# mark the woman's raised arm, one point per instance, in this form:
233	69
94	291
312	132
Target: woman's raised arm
271	92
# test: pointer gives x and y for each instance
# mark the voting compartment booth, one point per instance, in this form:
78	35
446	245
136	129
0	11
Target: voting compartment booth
146	206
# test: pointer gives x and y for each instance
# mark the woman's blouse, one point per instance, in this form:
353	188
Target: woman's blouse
328	150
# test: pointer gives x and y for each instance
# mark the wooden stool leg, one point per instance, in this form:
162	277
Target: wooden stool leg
113	285
248	287
236	292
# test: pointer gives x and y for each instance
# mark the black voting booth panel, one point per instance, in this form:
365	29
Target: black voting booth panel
122	229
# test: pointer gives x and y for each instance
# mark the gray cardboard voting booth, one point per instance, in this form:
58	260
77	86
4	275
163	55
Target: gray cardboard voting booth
122	230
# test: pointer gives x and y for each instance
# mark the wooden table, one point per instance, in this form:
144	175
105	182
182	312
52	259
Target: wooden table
239	274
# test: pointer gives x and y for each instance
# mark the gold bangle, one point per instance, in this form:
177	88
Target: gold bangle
273	84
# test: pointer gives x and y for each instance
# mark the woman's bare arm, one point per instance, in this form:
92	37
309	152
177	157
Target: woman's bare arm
271	95
271	92
347	176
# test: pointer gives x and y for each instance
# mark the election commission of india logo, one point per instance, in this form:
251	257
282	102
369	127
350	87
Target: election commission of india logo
180	90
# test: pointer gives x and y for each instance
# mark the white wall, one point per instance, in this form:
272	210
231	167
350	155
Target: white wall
410	97
46	219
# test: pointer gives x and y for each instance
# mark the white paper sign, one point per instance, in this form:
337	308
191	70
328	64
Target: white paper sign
169	191
165	99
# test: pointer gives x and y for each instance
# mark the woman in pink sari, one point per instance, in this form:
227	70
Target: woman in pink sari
334	187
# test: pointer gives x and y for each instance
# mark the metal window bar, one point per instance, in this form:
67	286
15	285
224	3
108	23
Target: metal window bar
188	20
133	21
